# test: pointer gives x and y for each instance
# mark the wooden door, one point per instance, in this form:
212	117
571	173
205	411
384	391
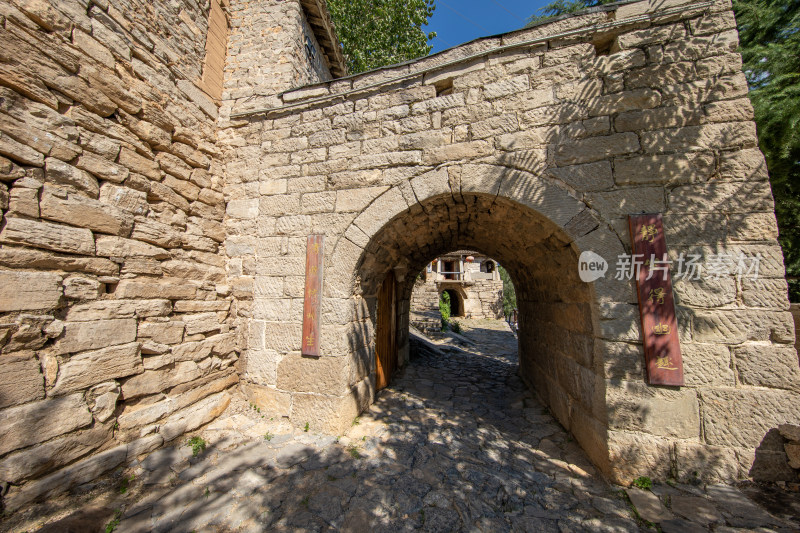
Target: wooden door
386	340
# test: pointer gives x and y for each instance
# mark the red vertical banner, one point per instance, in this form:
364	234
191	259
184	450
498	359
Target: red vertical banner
312	301
662	348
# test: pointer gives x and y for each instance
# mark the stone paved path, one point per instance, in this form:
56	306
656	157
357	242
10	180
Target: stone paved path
457	443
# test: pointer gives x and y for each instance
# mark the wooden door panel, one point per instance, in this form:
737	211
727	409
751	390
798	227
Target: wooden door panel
386	335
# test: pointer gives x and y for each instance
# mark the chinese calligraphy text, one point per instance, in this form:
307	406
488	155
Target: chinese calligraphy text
656	304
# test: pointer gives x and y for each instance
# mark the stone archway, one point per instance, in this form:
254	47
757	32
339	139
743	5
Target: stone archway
578	121
456	301
558	323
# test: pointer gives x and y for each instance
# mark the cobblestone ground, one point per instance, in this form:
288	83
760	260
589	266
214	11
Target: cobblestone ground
457	443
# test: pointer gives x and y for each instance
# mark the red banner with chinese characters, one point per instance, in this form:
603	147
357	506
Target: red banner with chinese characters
312	302
662	349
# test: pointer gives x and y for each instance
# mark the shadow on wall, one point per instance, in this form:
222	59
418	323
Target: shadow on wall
682	146
771	462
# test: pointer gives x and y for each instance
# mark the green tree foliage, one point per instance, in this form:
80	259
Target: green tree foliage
769	37
562	7
509	294
444	309
376	33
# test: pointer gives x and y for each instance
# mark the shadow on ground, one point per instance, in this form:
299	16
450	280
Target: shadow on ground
456	443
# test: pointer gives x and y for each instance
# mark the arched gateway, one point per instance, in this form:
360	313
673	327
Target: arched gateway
161	174
531	147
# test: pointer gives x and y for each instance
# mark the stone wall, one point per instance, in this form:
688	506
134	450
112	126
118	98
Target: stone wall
480	298
485	299
795	309
115	312
271	50
530	154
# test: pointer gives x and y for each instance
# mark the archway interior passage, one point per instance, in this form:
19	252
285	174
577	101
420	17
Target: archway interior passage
556	333
456	304
464	282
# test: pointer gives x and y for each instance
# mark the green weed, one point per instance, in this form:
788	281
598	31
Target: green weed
198	445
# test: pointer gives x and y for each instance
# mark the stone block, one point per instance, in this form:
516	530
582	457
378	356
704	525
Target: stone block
39	460
159	381
37	422
27	291
82	288
102	400
110	309
201	323
752	227
270	400
77	210
323	375
109	246
23	201
707	365
329	414
160	192
198	97
705	137
624	101
353	200
699	47
703	463
20	381
20	152
71	476
198	414
767	365
169	288
662	117
139	164
743	165
712	23
648	506
91	368
49	236
664	169
124	198
736	327
515	85
633	406
743	417
631	455
170	332
61	173
766	293
652	35
19	257
623	202
80	336
102	168
157	233
586	177
705	292
721	197
596	148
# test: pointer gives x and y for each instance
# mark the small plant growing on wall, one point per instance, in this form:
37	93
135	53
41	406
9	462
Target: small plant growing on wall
197	444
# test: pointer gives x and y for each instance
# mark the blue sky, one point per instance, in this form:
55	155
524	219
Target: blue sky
459	21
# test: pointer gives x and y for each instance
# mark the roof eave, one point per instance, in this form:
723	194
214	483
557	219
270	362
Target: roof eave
319	18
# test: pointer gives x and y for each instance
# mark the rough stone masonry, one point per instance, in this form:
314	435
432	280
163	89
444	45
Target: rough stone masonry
153	235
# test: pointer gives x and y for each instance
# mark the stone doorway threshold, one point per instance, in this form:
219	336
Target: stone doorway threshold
456	443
